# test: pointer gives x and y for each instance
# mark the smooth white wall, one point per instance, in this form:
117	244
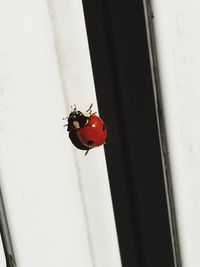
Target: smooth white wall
178	40
57	200
78	88
2	255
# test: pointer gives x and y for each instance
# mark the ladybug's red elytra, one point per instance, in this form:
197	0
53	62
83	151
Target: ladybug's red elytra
86	129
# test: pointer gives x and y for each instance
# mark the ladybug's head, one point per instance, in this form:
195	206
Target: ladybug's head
77	120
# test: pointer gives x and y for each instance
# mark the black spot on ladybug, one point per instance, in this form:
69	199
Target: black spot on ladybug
103	128
90	142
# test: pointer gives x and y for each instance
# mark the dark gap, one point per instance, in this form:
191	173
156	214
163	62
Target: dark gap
122	75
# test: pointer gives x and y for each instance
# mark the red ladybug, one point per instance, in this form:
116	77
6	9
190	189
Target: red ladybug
86	129
94	133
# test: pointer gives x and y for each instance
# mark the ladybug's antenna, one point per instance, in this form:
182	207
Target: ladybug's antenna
73	109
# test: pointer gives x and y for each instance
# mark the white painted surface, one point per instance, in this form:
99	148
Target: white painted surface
57	200
2	255
178	42
78	88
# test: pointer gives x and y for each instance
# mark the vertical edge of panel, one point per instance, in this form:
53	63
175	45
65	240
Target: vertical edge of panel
5	236
149	17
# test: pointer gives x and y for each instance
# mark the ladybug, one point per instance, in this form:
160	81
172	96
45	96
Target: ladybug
86	129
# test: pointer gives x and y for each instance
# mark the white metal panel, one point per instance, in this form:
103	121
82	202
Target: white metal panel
38	173
57	200
78	88
178	40
2	255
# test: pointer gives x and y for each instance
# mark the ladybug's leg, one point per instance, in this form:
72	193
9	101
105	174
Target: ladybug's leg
89	110
86	152
65	118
